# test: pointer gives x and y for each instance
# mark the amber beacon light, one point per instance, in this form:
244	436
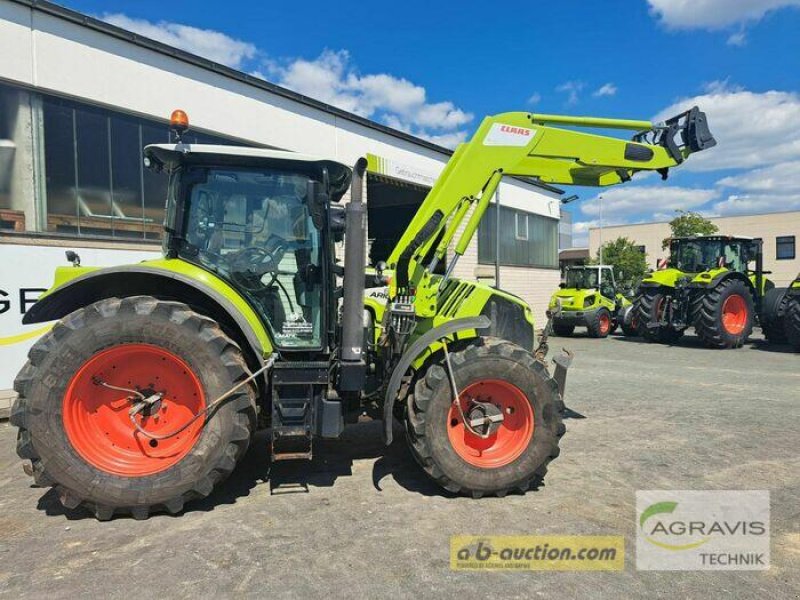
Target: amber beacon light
179	122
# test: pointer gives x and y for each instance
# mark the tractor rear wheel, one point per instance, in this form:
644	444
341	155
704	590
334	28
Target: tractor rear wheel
793	321
75	398
601	324
725	319
773	315
649	306
519	409
562	328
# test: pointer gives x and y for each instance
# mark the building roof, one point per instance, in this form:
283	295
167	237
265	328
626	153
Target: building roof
710	218
573	253
145	42
167	151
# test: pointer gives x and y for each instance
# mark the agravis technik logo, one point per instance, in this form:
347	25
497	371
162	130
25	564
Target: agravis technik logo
703	530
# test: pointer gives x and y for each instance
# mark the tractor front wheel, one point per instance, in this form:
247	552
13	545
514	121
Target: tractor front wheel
725	318
650	306
512	407
773	315
630	321
105	395
601	324
793	321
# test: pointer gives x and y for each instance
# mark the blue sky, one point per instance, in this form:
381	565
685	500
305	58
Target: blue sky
435	68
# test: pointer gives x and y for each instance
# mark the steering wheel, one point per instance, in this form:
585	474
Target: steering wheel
257	261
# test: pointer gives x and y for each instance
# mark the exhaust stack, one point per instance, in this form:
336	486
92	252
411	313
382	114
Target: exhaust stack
352	367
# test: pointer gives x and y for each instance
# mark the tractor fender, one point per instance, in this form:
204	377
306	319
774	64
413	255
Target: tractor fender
413	351
730	275
134	280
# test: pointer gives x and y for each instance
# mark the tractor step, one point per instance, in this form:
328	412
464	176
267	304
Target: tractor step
293	456
296	447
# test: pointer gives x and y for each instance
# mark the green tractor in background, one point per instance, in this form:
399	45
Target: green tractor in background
780	316
706	283
589	297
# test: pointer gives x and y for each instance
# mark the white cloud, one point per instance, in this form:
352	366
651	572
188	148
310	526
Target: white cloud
620	203
778	178
713	14
749	204
752	129
609	89
333	79
737	39
535	98
573	90
448	140
580	232
330	78
207	43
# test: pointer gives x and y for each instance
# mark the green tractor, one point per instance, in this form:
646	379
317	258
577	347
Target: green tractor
148	389
589	297
707	283
780	315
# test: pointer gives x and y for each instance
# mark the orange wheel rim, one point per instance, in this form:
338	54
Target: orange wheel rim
508	441
734	314
97	422
605	324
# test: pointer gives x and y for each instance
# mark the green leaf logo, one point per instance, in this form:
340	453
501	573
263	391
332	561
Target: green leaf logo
665	508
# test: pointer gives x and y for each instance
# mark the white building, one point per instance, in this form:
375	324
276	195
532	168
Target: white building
79	98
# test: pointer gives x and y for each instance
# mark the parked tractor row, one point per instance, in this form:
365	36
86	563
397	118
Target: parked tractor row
715	284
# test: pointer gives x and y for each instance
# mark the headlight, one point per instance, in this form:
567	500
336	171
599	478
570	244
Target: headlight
588	301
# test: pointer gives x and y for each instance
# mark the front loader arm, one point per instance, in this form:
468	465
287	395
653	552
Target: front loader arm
522	144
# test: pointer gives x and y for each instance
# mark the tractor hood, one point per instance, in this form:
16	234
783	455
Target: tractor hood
572	298
665	277
670	277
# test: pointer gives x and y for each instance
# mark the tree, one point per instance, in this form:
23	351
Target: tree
689	223
628	260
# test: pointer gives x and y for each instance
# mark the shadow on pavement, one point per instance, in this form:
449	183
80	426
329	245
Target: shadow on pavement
332	459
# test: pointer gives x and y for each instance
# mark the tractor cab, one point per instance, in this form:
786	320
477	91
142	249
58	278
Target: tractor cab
710	253
588	277
257	219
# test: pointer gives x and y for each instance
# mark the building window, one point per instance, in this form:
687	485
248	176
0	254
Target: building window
95	181
784	246
521	225
539	248
642	249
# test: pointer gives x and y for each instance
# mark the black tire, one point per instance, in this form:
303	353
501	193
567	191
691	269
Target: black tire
427	419
792	321
646	305
215	359
629	320
773	313
709	324
614	326
594	323
562	328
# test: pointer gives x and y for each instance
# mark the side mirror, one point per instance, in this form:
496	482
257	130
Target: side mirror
317	201
336	221
380	278
562	285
